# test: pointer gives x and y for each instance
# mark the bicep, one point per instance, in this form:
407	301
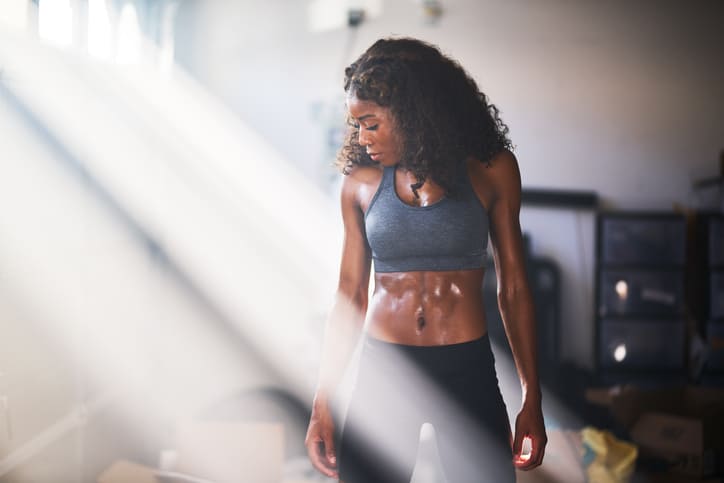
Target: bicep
355	262
505	231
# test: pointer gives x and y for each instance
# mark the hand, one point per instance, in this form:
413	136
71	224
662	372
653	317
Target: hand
320	441
529	423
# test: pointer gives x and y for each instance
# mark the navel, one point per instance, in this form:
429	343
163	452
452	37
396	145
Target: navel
421	322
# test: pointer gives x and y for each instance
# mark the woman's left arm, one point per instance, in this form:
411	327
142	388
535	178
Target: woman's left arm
498	183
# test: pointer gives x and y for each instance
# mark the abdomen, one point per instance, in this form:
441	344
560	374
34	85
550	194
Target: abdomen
427	308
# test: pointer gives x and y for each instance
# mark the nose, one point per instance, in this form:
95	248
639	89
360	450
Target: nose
364	137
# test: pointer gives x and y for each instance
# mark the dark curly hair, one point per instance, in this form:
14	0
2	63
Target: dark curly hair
437	107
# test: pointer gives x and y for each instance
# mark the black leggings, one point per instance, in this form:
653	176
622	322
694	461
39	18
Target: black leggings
400	387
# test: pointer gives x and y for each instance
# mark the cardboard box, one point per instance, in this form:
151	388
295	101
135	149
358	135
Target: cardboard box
683	427
230	452
213	452
123	471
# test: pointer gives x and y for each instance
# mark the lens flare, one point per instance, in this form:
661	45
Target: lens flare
622	289
619	353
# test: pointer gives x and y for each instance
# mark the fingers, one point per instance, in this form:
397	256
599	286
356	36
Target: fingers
541	453
320	461
322	455
320	443
330	453
530	460
529	426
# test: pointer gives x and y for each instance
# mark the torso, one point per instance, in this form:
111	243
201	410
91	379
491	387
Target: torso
422	307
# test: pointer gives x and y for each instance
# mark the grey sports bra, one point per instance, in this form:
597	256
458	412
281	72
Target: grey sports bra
450	234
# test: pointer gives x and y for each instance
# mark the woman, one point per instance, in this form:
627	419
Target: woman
428	175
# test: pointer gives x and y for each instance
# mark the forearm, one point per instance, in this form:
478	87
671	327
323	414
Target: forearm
342	332
518	313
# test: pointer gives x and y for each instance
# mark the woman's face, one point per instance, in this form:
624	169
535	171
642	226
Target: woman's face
378	134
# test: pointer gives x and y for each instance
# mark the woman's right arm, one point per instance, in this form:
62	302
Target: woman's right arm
344	325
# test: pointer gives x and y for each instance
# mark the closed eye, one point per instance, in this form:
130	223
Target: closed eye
369	128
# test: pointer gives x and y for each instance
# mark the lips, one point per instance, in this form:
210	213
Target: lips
374	156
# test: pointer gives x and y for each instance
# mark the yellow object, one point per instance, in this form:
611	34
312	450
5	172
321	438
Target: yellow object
611	460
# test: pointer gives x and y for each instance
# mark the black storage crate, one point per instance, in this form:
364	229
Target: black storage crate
642	239
716	242
641	344
640	292
716	294
640	295
715	346
705	281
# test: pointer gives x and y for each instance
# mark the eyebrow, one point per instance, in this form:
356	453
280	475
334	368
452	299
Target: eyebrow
366	116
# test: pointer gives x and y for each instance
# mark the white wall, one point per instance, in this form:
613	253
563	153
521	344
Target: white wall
622	98
104	342
85	311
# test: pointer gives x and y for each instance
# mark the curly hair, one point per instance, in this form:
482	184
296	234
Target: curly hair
440	113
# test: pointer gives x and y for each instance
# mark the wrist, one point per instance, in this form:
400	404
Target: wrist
532	396
321	400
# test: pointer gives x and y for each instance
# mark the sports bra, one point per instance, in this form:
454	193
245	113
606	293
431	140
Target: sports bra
450	234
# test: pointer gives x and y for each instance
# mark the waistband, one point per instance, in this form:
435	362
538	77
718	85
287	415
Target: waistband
435	357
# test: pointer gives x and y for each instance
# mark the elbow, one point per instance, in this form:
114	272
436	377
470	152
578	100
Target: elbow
359	301
354	295
512	296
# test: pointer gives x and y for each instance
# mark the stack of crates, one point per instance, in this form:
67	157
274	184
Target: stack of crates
640	296
714	292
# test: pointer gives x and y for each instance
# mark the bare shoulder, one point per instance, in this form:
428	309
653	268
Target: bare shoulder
361	183
503	166
365	174
499	177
